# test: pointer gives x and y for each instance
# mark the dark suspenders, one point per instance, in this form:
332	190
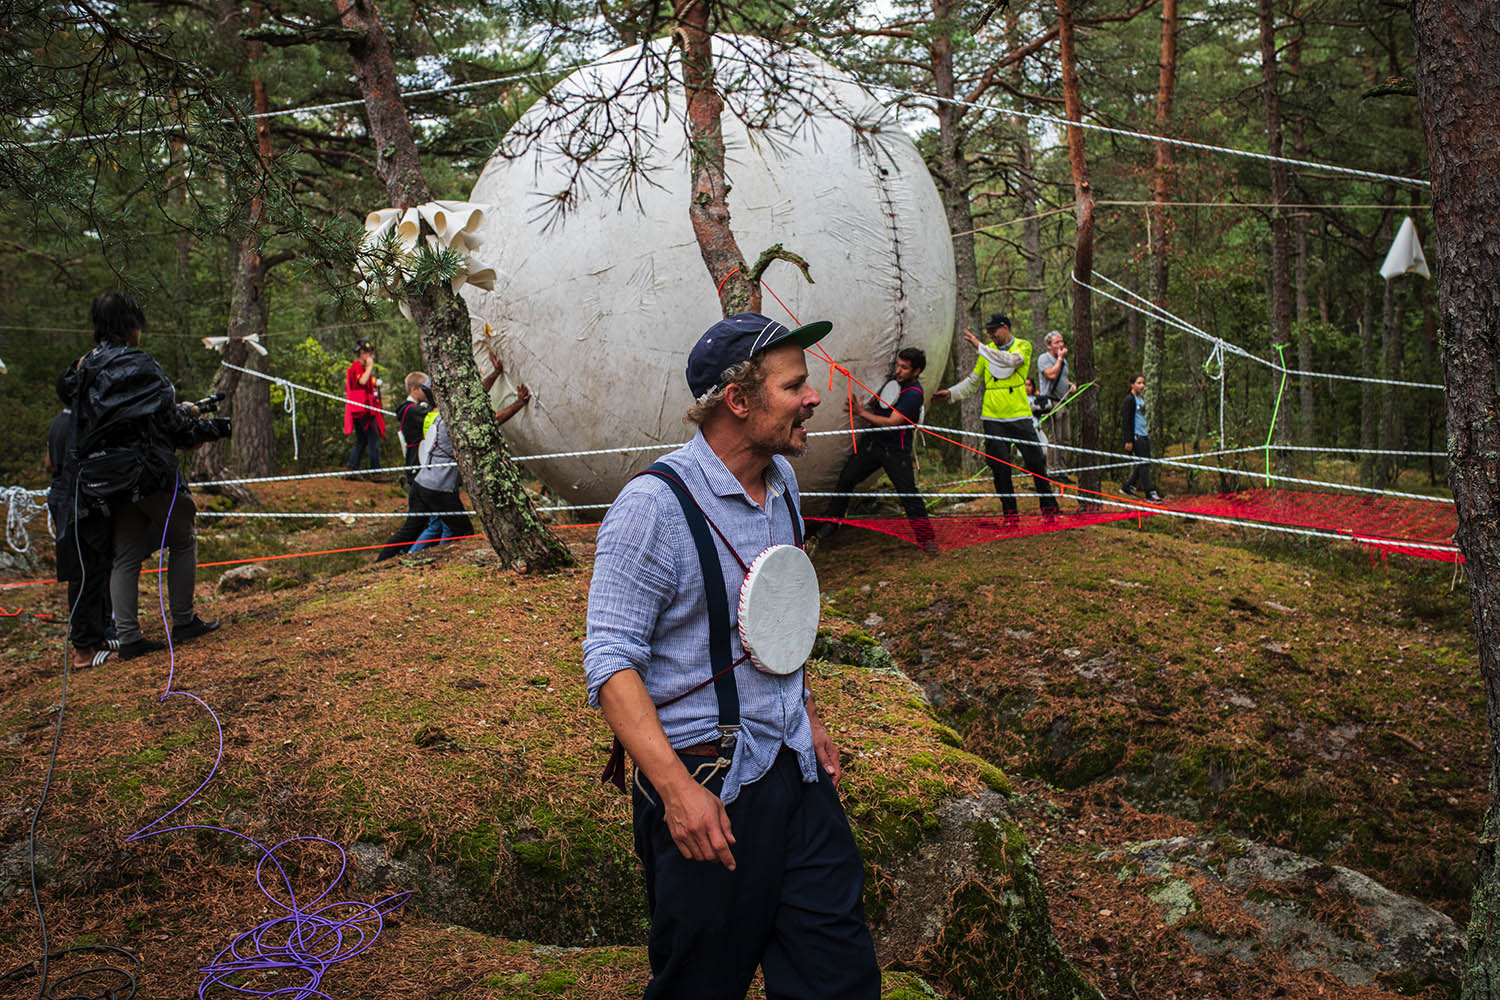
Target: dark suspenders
721	667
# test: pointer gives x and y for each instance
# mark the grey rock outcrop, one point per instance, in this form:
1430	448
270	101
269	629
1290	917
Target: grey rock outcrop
1314	915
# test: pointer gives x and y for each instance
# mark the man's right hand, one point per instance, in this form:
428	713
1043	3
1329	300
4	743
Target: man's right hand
941	397
698	823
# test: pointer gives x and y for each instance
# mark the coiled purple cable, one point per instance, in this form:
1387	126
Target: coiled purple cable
305	938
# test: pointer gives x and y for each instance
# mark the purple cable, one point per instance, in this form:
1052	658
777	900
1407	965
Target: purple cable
300	940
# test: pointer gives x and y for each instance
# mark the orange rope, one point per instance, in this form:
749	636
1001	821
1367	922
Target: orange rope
299	555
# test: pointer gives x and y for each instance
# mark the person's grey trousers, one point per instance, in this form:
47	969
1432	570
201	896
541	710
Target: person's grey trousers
138	533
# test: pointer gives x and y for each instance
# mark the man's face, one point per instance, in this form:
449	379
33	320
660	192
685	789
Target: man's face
1054	345
774	423
905	373
1139	385
1000	335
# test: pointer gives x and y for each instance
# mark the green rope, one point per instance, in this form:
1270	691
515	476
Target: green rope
1065	401
1270	433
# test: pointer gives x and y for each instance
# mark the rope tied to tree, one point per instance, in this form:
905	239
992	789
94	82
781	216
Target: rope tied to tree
289	405
21	506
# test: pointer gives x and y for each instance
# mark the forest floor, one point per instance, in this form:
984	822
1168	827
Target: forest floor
1134	682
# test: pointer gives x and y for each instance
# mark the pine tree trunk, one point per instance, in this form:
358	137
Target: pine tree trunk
709	207
206	462
1161	192
1305	385
1082	351
1281	297
1031	239
1368	424
494	485
254	449
1458	89
953	184
1392	335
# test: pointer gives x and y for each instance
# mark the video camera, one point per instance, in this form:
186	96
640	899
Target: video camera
206	429
210	404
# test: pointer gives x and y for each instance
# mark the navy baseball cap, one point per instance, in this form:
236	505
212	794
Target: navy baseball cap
996	321
738	338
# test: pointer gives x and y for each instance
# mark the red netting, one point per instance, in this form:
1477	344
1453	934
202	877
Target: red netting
1418	528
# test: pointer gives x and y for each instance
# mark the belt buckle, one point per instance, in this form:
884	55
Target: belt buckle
729	736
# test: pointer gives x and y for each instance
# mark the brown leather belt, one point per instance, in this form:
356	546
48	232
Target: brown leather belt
700	750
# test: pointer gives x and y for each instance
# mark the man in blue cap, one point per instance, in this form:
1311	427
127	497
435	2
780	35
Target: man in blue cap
748	857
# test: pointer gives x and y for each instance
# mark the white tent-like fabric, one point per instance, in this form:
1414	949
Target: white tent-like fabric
1405	255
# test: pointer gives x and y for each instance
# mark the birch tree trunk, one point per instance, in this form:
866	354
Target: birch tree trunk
505	511
1458	89
1082	351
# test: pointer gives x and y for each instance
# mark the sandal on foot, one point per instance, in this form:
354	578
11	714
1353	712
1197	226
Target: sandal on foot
96	659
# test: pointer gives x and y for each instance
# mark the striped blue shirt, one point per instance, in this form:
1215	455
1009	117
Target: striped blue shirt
647	609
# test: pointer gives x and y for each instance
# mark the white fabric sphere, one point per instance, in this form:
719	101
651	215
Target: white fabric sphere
596	309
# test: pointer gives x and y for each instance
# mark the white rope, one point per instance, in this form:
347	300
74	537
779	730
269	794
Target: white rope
1211	468
21	506
1108	130
805	73
289	405
319	392
1157	312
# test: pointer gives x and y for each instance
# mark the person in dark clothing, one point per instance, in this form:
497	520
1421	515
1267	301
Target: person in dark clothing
83	553
889	447
1137	439
128	423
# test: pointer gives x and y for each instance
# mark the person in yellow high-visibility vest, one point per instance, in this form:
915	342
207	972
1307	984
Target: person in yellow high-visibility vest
1001	371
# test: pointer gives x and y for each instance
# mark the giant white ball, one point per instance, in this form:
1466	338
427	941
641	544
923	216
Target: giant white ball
601	289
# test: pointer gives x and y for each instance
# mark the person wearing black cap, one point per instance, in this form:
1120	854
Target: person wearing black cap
1001	370
748	856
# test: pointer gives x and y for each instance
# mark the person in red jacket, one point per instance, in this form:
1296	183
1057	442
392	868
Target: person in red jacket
362	416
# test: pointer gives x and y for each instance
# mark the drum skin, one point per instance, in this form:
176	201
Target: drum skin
779	609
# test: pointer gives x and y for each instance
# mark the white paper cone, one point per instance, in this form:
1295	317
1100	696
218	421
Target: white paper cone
1405	255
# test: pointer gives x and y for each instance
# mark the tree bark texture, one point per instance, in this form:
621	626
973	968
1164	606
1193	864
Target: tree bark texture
1161	193
254	449
1369	358
505	510
1082	351
1281	298
1392	354
1031	237
1305	385
709	208
1458	89
953	185
1026	190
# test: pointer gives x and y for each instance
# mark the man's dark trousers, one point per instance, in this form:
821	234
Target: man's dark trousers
792	905
422	503
1141	474
897	465
1032	456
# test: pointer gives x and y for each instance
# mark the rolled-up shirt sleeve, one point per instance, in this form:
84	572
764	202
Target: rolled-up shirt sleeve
635	580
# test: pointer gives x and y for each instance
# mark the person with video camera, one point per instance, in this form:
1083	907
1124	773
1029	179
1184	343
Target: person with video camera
127	424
